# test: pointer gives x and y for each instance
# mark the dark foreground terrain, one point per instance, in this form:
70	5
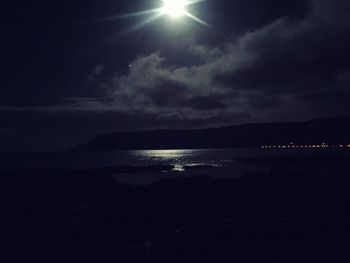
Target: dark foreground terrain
66	216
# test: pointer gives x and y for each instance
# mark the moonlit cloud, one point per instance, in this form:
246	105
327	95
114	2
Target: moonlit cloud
294	67
268	70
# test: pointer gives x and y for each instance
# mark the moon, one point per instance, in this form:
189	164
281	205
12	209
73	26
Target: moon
174	8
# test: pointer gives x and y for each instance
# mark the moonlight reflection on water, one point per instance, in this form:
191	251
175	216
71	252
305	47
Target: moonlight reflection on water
178	158
165	154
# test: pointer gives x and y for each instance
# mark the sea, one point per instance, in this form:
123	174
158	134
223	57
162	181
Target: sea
222	163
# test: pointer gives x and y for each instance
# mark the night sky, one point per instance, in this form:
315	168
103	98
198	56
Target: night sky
69	70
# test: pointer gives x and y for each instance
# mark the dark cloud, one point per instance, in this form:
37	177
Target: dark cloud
262	61
206	103
296	53
273	68
32	122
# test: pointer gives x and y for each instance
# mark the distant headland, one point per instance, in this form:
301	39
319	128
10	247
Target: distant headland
319	133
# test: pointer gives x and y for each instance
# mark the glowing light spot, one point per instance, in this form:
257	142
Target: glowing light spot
174	8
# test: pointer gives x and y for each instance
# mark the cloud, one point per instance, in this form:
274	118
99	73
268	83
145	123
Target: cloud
258	65
332	11
274	68
295	67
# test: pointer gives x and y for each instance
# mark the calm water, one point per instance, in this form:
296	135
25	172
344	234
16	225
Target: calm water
224	160
178	158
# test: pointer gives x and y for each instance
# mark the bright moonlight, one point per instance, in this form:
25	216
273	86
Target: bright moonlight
174	8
